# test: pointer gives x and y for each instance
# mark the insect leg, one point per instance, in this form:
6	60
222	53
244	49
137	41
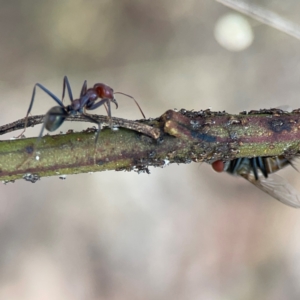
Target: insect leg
253	164
262	166
94	121
66	83
234	165
83	89
32	101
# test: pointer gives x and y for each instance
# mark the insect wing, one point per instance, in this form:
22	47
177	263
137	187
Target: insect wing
277	187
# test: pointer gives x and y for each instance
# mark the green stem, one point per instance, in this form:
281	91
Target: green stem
184	137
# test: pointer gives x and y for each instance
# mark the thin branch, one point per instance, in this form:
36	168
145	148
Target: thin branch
265	16
185	136
103	120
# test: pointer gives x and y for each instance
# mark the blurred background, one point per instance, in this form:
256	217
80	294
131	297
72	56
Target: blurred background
183	232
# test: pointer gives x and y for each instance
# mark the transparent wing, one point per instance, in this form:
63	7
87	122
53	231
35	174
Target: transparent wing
277	187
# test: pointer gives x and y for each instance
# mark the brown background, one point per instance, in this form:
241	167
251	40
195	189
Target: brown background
183	232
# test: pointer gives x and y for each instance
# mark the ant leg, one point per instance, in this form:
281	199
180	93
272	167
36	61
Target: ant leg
109	113
32	100
41	134
94	121
98	132
97	135
83	89
66	83
105	106
34	146
47	92
104	101
109	109
133	100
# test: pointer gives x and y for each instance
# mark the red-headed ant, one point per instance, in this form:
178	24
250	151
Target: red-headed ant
86	101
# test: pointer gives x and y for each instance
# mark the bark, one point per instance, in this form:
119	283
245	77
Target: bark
175	137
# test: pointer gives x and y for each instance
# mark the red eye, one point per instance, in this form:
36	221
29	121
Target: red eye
104	91
218	166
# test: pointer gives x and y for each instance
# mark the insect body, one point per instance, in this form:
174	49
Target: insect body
259	171
89	99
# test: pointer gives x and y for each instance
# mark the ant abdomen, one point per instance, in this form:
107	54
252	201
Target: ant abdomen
54	118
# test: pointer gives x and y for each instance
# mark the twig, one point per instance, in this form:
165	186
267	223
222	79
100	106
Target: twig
185	136
103	120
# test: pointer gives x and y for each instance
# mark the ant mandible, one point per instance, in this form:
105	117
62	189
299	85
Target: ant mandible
86	101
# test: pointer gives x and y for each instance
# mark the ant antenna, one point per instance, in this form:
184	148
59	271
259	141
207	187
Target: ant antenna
121	93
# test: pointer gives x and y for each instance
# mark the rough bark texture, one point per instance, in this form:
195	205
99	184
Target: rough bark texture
175	137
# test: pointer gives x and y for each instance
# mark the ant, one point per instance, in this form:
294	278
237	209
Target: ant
86	101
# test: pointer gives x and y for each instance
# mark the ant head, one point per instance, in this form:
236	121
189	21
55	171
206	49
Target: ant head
104	91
